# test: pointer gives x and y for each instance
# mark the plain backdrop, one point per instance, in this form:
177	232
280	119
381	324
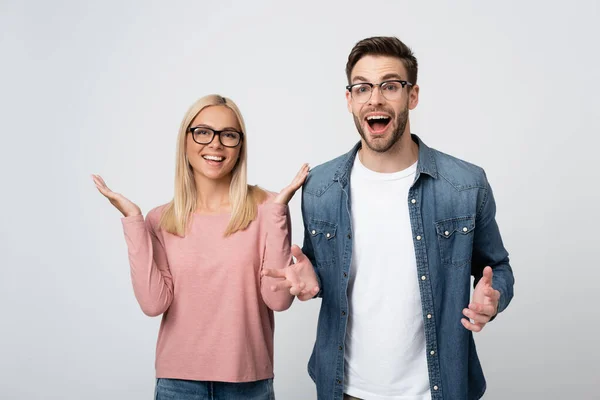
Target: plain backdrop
101	87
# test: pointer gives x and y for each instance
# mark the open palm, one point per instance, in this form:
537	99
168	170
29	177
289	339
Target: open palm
121	203
288	192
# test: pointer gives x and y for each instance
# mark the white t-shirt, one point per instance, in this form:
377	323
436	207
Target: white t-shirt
385	354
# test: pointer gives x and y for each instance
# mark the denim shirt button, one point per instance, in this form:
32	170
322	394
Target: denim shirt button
446	233
432	353
343	312
418	237
314	232
349	236
423	277
428	316
345	275
435	388
413	201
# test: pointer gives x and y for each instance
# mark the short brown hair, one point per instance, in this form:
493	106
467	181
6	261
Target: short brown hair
384	46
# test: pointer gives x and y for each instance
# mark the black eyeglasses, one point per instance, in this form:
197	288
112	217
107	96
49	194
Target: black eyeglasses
205	135
391	90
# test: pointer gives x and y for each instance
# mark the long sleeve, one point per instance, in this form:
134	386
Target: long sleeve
488	250
309	252
277	253
150	274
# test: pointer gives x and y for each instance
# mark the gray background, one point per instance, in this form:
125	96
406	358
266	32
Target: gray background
102	87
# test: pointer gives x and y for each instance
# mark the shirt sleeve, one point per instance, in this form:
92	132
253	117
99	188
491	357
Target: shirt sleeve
488	250
308	250
150	274
277	253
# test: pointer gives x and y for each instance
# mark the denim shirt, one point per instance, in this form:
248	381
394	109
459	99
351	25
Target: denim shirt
455	235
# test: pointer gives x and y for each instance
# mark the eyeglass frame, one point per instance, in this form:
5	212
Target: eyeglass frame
216	133
372	85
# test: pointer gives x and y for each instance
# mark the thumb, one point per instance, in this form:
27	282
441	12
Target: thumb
298	254
488	274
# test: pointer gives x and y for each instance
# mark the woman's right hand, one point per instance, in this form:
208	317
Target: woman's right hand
126	206
287	193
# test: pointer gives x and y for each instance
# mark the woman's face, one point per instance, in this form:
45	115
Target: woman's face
214	160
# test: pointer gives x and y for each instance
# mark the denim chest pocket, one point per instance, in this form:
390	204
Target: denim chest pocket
455	237
322	236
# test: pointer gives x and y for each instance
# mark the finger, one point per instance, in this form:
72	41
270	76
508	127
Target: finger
105	191
298	179
488	274
491	294
478	318
298	254
109	194
296	289
101	184
273	273
495	296
305	296
283	285
311	292
308	294
297	284
97	180
471	326
485	309
101	181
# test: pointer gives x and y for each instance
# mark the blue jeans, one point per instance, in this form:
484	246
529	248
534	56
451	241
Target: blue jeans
177	389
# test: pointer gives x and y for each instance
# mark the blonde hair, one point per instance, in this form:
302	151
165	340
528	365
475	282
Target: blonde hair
244	199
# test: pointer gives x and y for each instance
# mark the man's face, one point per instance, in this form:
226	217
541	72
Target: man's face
380	121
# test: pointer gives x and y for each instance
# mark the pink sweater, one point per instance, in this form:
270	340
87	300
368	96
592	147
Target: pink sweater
217	322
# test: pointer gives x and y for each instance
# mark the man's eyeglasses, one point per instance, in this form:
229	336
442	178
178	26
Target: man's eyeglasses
204	135
391	90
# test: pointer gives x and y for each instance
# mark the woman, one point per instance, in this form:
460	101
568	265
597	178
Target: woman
198	261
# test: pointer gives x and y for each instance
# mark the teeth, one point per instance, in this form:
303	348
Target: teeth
377	117
213	158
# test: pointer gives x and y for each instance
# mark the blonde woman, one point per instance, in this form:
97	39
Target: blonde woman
198	261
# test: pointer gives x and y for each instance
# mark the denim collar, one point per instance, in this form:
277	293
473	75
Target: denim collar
425	165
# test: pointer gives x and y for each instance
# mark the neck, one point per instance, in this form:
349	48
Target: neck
403	154
212	195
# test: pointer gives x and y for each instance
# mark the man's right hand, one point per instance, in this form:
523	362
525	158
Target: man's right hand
121	203
299	278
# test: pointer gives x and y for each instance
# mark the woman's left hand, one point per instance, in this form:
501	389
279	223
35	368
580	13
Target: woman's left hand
288	192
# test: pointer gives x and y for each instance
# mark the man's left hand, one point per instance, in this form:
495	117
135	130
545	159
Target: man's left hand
484	305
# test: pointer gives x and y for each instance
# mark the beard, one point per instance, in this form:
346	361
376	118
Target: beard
381	145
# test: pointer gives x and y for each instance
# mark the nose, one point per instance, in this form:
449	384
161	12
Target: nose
376	96
216	142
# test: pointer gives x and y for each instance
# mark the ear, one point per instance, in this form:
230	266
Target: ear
349	101
413	97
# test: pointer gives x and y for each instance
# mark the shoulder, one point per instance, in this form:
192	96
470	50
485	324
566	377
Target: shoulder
460	173
154	215
322	176
260	196
265	203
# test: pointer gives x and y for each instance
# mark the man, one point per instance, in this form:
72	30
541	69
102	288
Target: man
394	230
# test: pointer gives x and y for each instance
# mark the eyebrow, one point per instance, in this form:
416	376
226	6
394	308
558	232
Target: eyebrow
384	78
227	128
391	76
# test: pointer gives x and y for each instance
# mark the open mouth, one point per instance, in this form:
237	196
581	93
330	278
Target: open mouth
378	123
213	160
